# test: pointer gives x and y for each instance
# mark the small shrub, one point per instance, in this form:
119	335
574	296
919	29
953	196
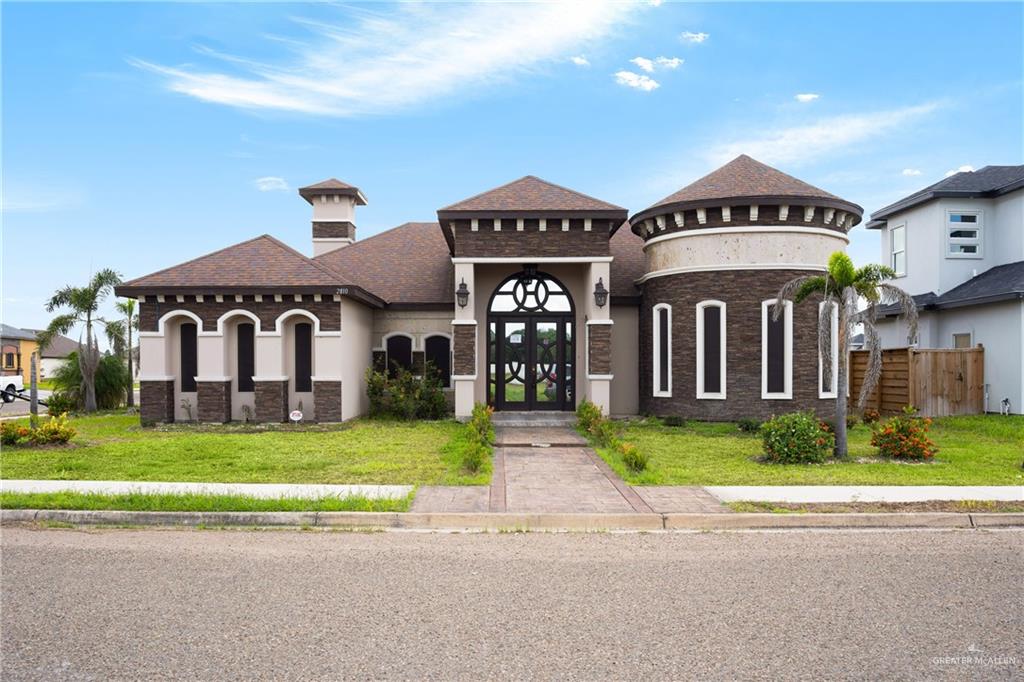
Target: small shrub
405	395
247	415
673	420
60	402
748	425
474	456
851	421
587	414
632	457
905	436
55	431
797	438
112	382
605	432
12	434
870	416
186	404
480	424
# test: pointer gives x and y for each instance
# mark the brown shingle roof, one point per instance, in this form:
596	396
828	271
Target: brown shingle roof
530	193
745	178
406	264
258	264
411	264
332	186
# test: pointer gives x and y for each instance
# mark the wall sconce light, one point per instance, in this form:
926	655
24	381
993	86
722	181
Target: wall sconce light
462	294
600	293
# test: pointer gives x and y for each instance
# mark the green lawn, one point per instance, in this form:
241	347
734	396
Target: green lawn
115	447
975	450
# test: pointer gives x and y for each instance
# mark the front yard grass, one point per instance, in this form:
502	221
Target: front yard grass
196	503
114	447
974	450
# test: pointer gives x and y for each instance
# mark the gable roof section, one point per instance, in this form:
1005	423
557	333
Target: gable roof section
408	264
987	182
1001	283
9	332
530	193
259	264
745	178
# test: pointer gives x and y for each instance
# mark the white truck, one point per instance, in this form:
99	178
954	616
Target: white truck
10	385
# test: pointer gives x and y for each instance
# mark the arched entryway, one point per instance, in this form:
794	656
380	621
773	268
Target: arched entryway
530	349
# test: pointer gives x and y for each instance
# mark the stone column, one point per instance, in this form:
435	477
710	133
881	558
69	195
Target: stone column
156	401
599	338
214	398
272	401
327	400
464	344
213	386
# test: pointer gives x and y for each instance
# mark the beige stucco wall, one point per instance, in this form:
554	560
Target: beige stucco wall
334	207
740	246
419	324
625	390
356	355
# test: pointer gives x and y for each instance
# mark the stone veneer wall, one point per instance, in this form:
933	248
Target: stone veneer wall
742	291
465	350
327	401
214	398
271	401
599	339
510	242
156	402
338	230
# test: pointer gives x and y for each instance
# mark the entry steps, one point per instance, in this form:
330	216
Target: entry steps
534	419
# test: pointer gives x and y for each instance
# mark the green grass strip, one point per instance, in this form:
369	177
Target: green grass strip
196	503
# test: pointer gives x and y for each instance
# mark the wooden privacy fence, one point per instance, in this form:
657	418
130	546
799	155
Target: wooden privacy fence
938	382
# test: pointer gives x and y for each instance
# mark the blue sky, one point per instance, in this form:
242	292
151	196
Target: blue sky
136	136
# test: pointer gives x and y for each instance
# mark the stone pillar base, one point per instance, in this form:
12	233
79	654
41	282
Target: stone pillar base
272	401
327	400
156	402
214	398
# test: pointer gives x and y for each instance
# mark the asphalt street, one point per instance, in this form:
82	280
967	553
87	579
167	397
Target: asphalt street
214	605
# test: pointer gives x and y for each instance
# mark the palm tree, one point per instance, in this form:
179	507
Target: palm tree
119	333
843	286
84	303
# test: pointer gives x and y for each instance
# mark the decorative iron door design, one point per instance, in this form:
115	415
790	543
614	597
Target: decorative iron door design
530	346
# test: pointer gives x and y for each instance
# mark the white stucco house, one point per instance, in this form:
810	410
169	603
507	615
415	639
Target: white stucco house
958	247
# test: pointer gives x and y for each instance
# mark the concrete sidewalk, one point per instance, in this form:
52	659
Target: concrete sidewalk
866	493
269	491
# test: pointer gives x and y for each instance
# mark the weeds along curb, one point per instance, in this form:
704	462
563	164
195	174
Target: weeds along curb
511	521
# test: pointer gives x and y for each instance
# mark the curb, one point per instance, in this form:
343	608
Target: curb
511	521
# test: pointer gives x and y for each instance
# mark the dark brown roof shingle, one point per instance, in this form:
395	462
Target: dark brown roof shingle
332	186
530	193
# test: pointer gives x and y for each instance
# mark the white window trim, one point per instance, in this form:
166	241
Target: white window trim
787	371
979	226
892	249
656	364
701	393
952	339
833	392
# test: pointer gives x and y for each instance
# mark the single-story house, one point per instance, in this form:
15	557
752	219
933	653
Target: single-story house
529	296
54	354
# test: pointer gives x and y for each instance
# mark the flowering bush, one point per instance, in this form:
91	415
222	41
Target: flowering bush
871	416
905	436
12	434
55	431
587	414
797	438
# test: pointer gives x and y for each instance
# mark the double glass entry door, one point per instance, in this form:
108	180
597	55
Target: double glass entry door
530	363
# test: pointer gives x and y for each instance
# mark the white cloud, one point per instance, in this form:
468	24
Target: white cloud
580	60
377	62
669	62
271	183
636	80
643	64
806	97
961	169
806	142
655	3
691	37
910	172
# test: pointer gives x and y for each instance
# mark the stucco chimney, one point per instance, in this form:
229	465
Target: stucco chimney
334	213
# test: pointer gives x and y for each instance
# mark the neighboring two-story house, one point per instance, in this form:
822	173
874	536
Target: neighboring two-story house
958	247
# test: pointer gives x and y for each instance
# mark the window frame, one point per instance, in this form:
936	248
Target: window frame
722	372
979	225
893	251
426	341
787	356
834	337
387	354
656	391
970	343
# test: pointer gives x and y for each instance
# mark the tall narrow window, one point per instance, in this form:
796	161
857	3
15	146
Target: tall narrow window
246	334
438	354
898	249
189	357
303	357
399	354
711	350
776	351
964	234
662	350
828	373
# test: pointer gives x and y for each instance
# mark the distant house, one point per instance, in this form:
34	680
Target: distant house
55	353
16	349
958	247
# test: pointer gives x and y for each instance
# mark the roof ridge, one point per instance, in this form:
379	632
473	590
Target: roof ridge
538	179
318	266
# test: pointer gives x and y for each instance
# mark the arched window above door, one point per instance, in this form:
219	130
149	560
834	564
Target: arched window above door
531	292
